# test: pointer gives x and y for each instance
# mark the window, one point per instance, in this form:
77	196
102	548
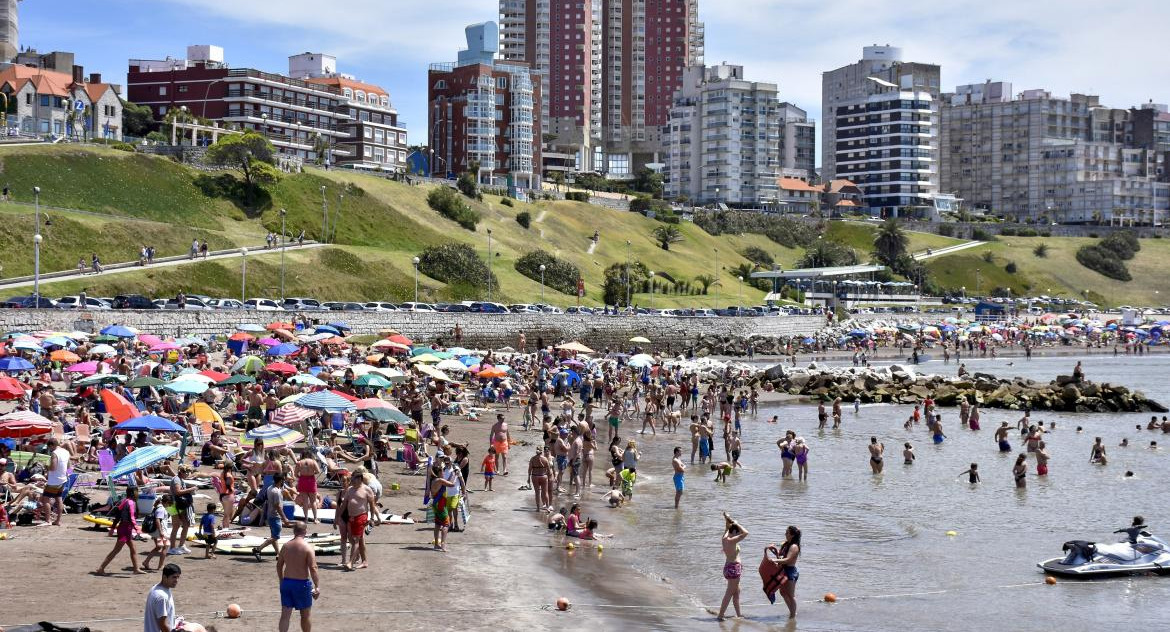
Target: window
44	101
349	93
379	136
368	133
369	152
183	88
162	91
502	83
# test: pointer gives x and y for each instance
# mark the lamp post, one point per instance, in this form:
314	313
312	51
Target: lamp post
627	274
740	291
716	274
37	249
324	216
542	268
978	281
489	275
651	273
283	241
243	274
336	218
416	262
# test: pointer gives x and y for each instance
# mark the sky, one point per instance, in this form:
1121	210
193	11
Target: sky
1115	50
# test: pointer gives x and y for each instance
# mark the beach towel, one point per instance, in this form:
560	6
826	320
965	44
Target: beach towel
772	573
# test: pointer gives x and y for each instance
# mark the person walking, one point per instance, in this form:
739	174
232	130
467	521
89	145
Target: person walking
126	527
296	568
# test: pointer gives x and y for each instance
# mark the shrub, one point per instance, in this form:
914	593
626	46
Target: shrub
455	264
446	202
989	256
577	196
946	230
757	255
1094	235
559	274
1045	233
1041	251
524	218
1123	243
1103	261
1027	232
1008	231
643	205
509	203
467	186
1010	268
124	147
980	234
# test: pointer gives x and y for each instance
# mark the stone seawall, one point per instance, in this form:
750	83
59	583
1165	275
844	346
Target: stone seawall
485	330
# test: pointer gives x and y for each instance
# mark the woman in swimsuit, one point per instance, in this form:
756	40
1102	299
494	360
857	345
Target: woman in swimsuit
1020	470
733	534
789	552
800	451
1097	455
615	457
227	492
588	446
538	479
876	450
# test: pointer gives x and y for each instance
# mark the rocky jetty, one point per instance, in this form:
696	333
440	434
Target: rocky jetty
900	384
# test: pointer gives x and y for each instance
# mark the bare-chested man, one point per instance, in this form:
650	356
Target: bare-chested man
575	454
499	438
358	502
561	452
679	473
694	428
306	471
296	567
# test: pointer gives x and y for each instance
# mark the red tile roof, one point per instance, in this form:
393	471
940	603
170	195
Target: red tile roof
49	82
342	82
794	184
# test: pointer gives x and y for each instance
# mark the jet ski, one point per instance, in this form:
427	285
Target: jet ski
1089	560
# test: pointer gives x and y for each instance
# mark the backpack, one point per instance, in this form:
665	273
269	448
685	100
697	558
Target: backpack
149	523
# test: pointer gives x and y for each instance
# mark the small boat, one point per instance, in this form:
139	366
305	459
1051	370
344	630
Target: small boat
1090	560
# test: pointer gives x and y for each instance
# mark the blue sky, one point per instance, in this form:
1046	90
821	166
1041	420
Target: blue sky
1115	50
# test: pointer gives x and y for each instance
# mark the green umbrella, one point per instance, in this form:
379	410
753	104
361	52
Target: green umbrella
386	414
372	379
239	378
105	338
146	380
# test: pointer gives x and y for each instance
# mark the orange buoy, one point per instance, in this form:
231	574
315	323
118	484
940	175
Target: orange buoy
830	598
1050	580
233	611
562	604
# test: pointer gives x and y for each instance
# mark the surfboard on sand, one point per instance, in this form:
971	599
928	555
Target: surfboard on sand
322	543
328	515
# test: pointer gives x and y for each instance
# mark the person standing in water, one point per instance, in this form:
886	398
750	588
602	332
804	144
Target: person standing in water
1042	459
789	553
1001	437
1097	453
876	452
1020	470
679	469
733	534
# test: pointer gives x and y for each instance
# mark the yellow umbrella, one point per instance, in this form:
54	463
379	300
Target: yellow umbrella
426	358
576	346
203	412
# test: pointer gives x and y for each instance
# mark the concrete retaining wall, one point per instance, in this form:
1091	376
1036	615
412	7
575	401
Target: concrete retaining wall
486	330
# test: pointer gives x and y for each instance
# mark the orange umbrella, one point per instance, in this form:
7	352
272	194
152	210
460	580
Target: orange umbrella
280	325
241	335
493	372
64	355
117	406
333	341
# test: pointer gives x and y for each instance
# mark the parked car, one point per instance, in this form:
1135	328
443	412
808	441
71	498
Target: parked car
29	302
132	301
451	307
74	302
224	303
524	308
298	304
483	307
346	306
579	310
380	307
190	304
411	306
261	304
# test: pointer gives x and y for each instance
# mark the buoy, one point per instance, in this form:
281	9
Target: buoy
600	548
562	604
4	536
830	598
952	533
395	486
570	546
1050	580
233	611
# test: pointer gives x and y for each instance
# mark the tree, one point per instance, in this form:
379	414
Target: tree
649	181
558	179
666	235
828	254
614	288
251	154
890	243
706	280
137	120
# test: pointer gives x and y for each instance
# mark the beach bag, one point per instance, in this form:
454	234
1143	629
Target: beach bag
149	523
76	503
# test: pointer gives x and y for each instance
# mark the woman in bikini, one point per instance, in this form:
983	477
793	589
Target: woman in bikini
1020	470
733	534
538	479
800	452
227	492
876	454
789	552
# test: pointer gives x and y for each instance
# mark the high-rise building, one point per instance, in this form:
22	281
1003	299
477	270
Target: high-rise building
722	143
879	130
798	143
610	69
1034	156
487	112
9	30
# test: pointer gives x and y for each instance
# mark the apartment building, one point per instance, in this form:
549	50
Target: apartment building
610	69
798	143
879	130
375	139
487	112
1036	157
722	143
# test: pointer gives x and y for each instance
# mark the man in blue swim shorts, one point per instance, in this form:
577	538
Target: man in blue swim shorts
679	469
274	508
296	566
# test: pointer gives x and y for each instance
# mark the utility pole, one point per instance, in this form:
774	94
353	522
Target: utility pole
489	275
283	241
324	217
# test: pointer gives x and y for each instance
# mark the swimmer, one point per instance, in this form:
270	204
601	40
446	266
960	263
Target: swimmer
972	473
1153	445
722	469
1020	470
876	451
1001	437
1097	453
774	419
1124	443
1129	473
908	454
857	406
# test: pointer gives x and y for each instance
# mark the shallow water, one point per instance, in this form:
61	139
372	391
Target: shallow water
879	542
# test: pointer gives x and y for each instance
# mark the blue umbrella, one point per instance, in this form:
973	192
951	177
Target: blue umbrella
860	333
186	387
15	364
58	341
324	400
118	331
327	329
571	377
142	458
458	352
470	360
339	325
150	423
287	348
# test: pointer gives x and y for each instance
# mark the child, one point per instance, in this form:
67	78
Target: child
972	474
160	533
207	531
722	469
488	468
908	453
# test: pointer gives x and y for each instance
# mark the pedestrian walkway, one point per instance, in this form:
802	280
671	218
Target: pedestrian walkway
939	252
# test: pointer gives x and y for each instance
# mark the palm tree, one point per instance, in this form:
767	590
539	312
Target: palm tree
890	242
706	280
666	235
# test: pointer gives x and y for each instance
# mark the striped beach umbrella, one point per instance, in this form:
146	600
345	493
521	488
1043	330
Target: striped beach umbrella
275	436
325	400
291	415
142	458
22	424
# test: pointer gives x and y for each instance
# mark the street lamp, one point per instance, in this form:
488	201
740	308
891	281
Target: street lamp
978	282
651	273
542	268
243	274
324	216
37	248
283	241
716	273
416	262
740	291
489	279
627	274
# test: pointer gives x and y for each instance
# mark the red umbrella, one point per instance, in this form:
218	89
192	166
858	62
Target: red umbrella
400	339
241	335
117	406
215	375
372	402
23	424
281	367
344	395
280	325
12	388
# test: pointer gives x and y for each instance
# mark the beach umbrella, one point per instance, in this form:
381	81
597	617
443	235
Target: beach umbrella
119	331
283	349
339	324
493	372
250	328
400	339
332	340
23	424
12	388
215	376
386	333
470	360
146	368
103	338
14	364
571	377
165	346
142	458
100	378
149	339
283	368
102	349
337	362
186	387
393	375
118	407
195	377
575	346
203	412
327	329
28	344
325	400
274	435
386	414
457	352
372	380
280	324
641	360
241	335
144	381
384	345
291	415
451	365
149	423
343	395
238	379
426	358
191	340
305	378
248	364
573	362
433	372
84	368
372	402
639	340
268	342
58	341
292	398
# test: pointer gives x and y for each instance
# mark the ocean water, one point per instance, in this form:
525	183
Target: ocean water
880	543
